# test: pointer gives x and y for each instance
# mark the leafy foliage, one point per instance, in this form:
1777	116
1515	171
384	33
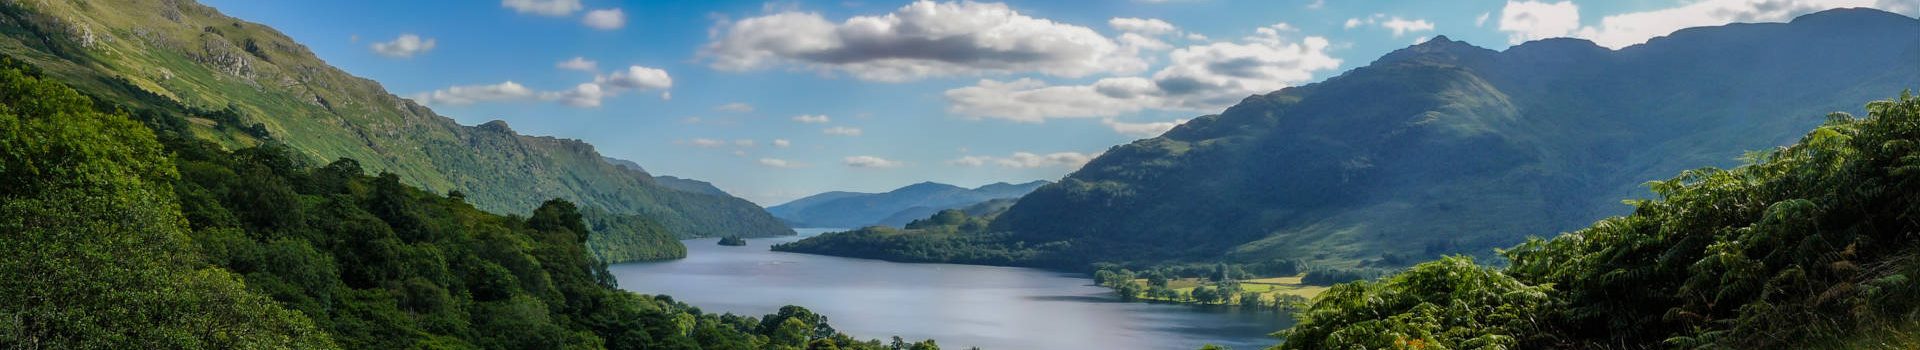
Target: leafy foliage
161	55
123	236
1809	243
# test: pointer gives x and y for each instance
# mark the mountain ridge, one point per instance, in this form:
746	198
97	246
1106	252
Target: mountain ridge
274	89
1366	168
840	209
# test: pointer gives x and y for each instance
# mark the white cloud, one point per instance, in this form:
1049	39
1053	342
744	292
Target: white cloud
607	19
743	143
578	63
405	46
555	8
1482	20
782	143
1529	20
1317	4
639	78
704	143
470	94
1070	160
735	107
871	162
583	95
1032	101
812	119
1200	77
841	131
1627	29
919	40
1145	26
1141	129
780	163
1401	26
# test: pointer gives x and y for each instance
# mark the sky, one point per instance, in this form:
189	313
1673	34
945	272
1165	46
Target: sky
773	101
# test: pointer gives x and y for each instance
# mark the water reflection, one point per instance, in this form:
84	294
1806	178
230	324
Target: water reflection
959	305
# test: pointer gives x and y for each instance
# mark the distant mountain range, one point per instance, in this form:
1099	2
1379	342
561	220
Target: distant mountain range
1445	147
892	208
248	84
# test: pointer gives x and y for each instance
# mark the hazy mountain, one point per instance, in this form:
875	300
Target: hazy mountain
892	208
1447	147
243	81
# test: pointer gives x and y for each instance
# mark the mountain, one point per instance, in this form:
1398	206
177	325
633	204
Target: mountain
125	231
671	182
244	84
1808	246
892	208
1444	147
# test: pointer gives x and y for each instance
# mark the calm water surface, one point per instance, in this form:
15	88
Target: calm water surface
959	305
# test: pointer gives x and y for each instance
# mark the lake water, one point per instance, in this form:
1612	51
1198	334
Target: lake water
958	305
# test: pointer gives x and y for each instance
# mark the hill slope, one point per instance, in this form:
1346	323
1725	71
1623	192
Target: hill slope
1445	147
249	81
892	208
1810	246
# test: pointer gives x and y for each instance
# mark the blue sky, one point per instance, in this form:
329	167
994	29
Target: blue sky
777	100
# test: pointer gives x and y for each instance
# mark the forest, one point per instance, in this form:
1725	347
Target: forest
1812	245
124	231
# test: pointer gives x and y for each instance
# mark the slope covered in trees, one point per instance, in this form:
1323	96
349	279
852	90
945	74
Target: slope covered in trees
249	81
1814	245
122	235
1444	147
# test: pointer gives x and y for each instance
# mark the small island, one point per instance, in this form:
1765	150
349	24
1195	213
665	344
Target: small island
733	241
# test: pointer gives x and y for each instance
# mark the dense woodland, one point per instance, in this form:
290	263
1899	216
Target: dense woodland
123	231
1814	245
255	85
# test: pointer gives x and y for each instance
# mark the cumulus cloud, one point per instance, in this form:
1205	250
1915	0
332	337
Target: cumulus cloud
583	95
1399	26
1141	129
1529	20
919	40
812	119
554	8
470	94
1070	160
782	143
1627	29
1145	26
780	163
735	107
405	46
578	63
1199	77
871	162
607	19
1482	20
587	95
841	131
639	78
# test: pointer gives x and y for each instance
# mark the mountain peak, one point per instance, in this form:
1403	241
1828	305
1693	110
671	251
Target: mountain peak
496	125
1439	49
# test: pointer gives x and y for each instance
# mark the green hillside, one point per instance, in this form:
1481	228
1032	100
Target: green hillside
1809	246
243	81
1446	148
122	230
